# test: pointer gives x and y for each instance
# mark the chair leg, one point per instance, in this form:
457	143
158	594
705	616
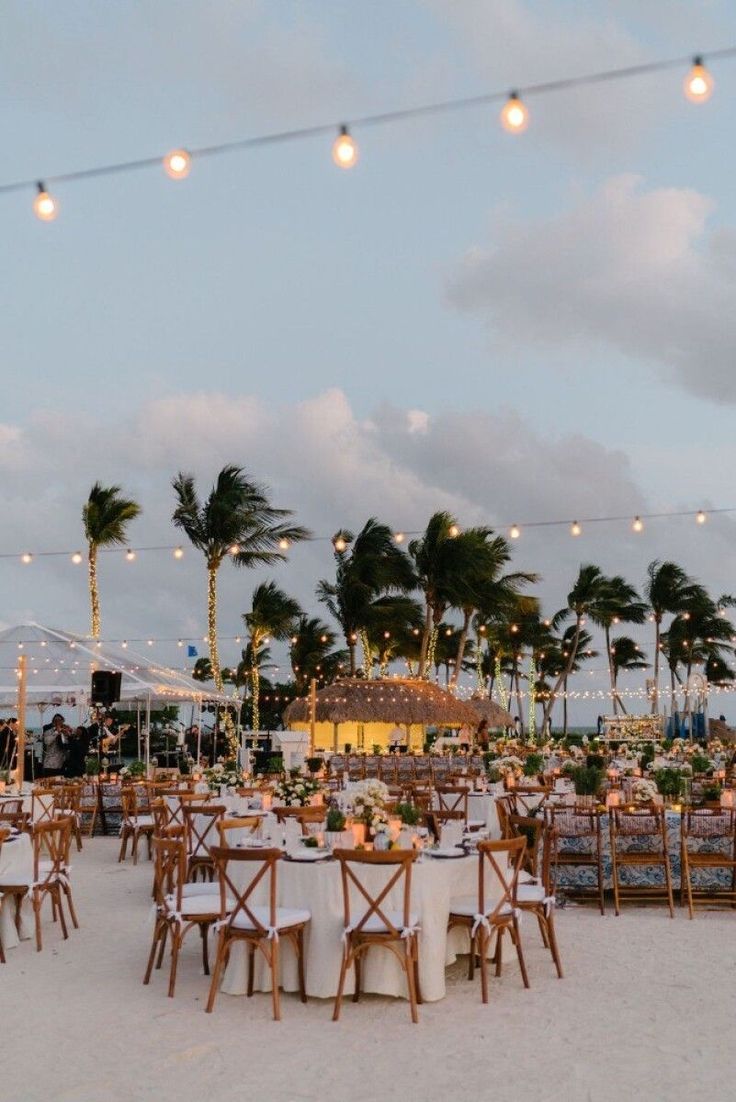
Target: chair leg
409	969
543	929
686	883
300	965
134	850
158	933
164	939
482	939
175	946
471	959
341	984
70	902
358	977
516	937
498	957
668	882
417	986
251	966
614	873
204	930
123	845
57	895
216	972
37	915
553	946
275	971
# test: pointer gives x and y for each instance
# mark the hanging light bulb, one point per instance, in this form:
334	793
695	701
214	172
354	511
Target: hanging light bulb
515	531
284	544
150	642
178	552
575	529
399	537
514	115
339	542
77	557
344	149
26	557
130	554
234	549
701	517
637	525
698	82
454	531
179	643
124	643
45	205
177	164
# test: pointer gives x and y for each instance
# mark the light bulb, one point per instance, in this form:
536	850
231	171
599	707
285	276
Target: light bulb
234	549
514	531
125	643
701	517
514	115
399	537
177	164
178	552
179	643
454	531
130	554
344	149
698	82
26	557
77	557
575	529
638	525
150	642
339	543
284	544
45	206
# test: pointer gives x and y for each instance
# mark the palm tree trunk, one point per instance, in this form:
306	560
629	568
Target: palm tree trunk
94	596
212	623
424	650
367	656
564	674
351	652
611	672
255	697
519	705
564	708
655	694
461	646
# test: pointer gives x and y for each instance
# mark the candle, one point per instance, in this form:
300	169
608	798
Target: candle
613	798
2	786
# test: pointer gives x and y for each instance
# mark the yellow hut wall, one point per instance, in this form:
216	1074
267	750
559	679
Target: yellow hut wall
373	734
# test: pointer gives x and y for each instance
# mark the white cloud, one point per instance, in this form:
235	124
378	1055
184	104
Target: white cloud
636	270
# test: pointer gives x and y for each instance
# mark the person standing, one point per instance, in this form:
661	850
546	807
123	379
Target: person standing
76	757
55	744
8	739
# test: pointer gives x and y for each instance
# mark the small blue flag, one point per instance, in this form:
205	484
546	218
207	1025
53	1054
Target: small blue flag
191	651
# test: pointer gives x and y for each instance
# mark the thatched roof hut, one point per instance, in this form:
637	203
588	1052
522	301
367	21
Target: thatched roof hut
485	708
390	700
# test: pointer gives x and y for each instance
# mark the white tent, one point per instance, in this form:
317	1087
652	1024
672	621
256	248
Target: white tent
59	667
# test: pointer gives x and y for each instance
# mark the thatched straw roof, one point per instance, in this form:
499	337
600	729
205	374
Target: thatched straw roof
488	709
393	700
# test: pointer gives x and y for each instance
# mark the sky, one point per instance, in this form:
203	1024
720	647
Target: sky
514	327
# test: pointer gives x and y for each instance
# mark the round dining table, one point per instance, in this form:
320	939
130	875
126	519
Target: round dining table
16	867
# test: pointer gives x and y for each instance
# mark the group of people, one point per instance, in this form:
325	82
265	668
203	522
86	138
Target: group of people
64	749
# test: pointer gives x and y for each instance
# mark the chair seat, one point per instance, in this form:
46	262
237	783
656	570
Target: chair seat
191	889
376	925
530	893
208	904
140	822
476	824
286	917
466	906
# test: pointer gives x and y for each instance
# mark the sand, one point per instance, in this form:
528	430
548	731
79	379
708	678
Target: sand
645	1010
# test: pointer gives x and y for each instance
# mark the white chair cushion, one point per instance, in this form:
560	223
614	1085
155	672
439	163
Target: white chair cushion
467	906
285	917
188	890
375	925
197	904
530	893
142	821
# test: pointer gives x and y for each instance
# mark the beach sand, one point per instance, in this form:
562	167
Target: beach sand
645	1010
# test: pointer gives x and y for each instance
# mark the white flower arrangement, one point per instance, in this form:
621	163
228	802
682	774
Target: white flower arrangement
644	791
510	764
295	790
222	773
369	801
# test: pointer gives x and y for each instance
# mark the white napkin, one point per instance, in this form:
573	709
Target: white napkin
293	834
451	833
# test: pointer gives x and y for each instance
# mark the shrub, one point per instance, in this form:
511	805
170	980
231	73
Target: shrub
409	814
335	820
670	782
588	781
533	765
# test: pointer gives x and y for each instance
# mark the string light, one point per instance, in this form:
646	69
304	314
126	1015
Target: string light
399	537
575	529
234	549
284	544
339	542
701	517
77	557
514	115
453	531
130	555
26	558
514	531
344	149
177	164
45	205
698	82
637	525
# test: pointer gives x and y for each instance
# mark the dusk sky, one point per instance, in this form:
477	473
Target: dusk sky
517	328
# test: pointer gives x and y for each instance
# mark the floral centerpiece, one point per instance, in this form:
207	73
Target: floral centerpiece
369	803
294	790
223	773
644	791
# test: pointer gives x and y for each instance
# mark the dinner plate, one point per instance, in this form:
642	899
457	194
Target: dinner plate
448	852
309	855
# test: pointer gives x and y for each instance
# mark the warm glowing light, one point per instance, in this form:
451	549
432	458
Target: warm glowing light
339	542
179	643
515	531
638	525
514	115
45	206
234	549
178	552
454	531
344	149
125	643
26	557
130	554
284	544
575	529
399	537
177	164
698	82
77	557
701	517
150	642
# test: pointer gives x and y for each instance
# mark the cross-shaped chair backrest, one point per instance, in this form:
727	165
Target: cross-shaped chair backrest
43	806
236	828
640	822
169	873
50	850
453	798
499	864
369	901
200	828
236	899
176	801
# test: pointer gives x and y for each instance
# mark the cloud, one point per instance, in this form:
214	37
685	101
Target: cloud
633	269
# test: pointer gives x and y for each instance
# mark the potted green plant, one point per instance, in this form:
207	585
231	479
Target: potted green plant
533	765
588	781
410	816
314	765
712	795
670	782
336	836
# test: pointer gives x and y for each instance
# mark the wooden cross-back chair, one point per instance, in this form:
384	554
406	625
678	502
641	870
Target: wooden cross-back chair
536	896
175	801
260	926
235	827
180	907
639	840
453	797
51	842
12	814
436	819
43	805
200	833
576	841
707	844
304	815
374	922
505	807
69	804
499	864
137	823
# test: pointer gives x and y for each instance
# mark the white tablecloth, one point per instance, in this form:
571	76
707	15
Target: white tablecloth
318	888
16	867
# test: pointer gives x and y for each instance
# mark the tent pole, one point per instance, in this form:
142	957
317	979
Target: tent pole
199	732
21	736
312	714
138	726
148	733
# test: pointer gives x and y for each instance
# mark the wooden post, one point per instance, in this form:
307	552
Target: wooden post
312	714
335	737
21	737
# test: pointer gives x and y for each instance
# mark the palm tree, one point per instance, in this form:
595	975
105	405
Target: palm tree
617	602
697	636
105	516
312	654
668	590
368	569
273	615
236	520
625	655
391	633
586	592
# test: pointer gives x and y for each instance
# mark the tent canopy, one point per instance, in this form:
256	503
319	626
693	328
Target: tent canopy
60	666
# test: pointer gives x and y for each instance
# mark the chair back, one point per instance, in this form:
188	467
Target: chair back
711	824
573	821
303	815
200	828
453	798
51	840
638	822
43	805
169	873
175	801
227	828
397	865
532	830
505	806
257	865
499	864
